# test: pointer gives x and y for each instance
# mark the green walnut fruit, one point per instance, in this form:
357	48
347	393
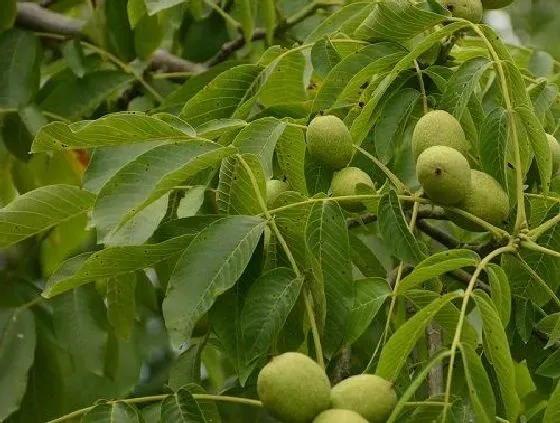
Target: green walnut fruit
369	395
345	182
445	174
329	141
486	200
555	151
438	128
293	388
274	188
470	10
495	4
339	416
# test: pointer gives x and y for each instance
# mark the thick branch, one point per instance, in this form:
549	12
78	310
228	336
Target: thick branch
34	17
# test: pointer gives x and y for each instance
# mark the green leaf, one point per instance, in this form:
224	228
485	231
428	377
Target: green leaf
524	283
539	144
480	388
552	413
215	128
349	16
462	84
116	261
181	407
236	194
395	353
394	229
19	128
41	209
155	6
290	152
117	28
365	120
121	304
19	67
500	291
324	57
493	144
210	265
346	70
17	352
365	259
496	349
329	250
186	367
268	303
222	96
112	130
148	177
260	138
551	366
543	96
75	98
290	223
391	124
269	12
283	80
148	35
398	20
114	412
8	14
209	408
106	162
436	265
244	11
80	323
369	295
447	318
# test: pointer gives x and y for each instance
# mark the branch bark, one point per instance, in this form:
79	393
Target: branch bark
33	16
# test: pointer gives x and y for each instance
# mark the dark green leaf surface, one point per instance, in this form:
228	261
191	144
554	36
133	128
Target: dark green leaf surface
17	351
210	265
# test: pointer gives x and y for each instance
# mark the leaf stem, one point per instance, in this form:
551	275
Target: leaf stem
409	198
459	329
155	398
544	227
291	259
422	87
531	245
521	219
392	177
227	17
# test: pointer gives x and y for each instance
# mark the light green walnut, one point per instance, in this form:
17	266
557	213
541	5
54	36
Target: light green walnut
274	188
329	141
339	416
496	4
486	200
345	182
369	395
438	128
293	388
470	10
445	174
555	152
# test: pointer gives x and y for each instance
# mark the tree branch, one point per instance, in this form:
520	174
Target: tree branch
33	16
440	236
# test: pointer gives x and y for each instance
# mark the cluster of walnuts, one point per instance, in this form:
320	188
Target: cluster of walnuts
472	10
441	151
295	389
